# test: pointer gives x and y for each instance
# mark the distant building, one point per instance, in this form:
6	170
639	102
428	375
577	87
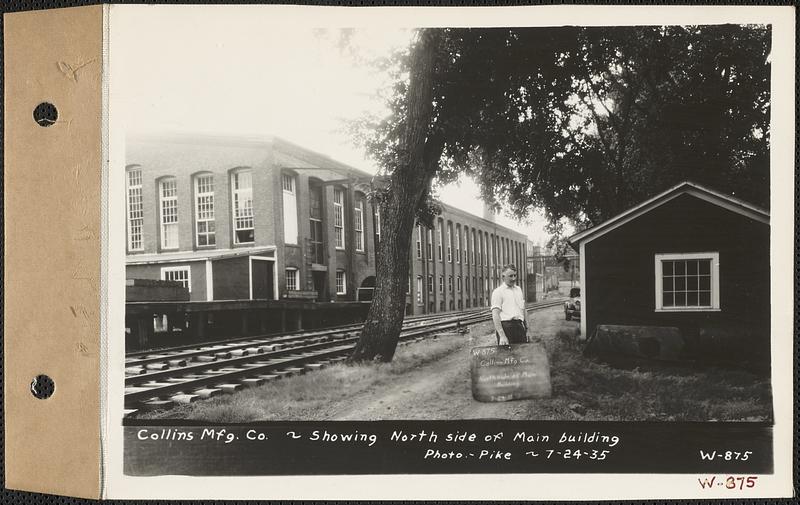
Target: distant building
256	219
689	257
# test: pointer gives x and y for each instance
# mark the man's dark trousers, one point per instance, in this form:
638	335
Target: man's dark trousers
515	332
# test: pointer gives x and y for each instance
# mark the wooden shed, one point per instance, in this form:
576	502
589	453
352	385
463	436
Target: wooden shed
690	257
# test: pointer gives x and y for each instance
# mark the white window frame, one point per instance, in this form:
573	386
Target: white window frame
239	195
135	208
441	283
338	218
294	272
185	268
358	224
211	236
431	283
290	226
166	227
419	290
715	291
341	290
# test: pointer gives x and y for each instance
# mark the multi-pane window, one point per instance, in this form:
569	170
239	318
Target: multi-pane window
419	289
419	241
441	240
204	210
338	217
378	223
687	281
473	247
315	221
291	279
168	195
458	244
341	282
242	189
430	284
449	243
441	283
178	274
459	283
289	208
135	210
429	243
482	245
449	283
466	245
359	224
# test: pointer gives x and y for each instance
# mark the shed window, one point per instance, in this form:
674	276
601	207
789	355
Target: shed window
687	282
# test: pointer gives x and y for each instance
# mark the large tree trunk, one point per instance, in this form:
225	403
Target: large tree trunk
410	181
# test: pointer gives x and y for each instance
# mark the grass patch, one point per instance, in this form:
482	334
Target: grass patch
593	390
310	396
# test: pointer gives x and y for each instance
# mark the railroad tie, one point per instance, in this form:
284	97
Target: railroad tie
208	392
129	412
157	366
177	362
135	370
183	399
254	350
229	388
223	354
252	382
205	359
314	366
269	377
152	405
238	353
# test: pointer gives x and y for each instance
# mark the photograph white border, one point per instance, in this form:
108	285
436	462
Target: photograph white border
470	486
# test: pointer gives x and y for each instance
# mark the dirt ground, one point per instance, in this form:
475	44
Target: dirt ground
441	389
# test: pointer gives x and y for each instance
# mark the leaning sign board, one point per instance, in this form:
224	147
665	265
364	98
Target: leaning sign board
510	372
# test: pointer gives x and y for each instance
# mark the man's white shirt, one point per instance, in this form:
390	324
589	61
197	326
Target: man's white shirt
510	302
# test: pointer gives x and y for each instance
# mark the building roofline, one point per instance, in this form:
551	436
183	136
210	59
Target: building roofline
486	222
252	141
686	187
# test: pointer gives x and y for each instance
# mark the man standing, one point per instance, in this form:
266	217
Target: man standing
508	310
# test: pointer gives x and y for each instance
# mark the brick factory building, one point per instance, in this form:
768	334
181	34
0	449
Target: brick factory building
264	219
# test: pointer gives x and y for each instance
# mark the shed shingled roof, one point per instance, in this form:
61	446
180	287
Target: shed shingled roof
722	200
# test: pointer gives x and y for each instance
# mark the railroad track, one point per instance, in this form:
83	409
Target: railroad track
161	380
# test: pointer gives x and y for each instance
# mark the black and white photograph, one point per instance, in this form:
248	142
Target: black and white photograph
356	248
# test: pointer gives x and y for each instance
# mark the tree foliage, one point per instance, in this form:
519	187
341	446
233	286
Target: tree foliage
582	122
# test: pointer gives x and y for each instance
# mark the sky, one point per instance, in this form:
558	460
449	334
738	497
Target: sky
237	72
